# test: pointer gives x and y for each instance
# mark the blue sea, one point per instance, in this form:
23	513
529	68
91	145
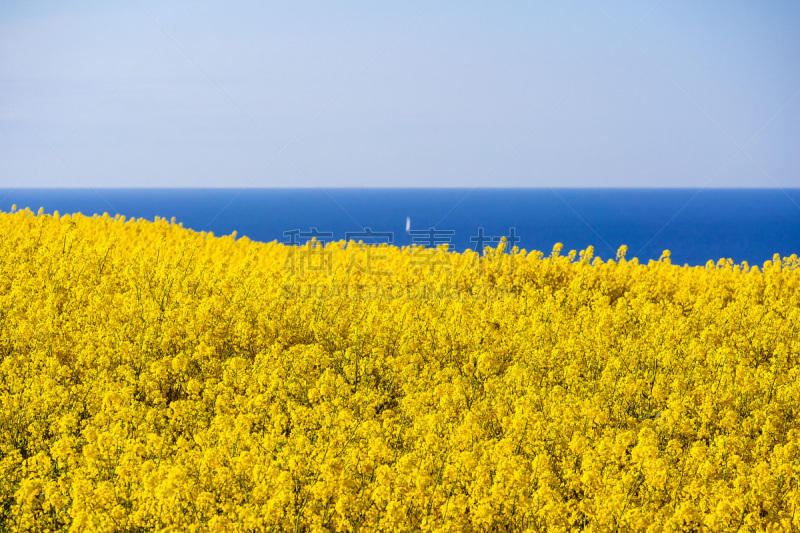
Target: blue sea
696	225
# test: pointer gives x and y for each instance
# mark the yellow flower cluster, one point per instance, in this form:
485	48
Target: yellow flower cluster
156	378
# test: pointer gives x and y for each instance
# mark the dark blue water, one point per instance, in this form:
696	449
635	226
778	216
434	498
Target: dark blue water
695	225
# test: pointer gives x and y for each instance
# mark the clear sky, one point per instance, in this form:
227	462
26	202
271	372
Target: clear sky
437	93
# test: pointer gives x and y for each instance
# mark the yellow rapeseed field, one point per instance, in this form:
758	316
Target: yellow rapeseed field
156	378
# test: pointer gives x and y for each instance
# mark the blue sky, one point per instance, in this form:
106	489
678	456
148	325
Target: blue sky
393	94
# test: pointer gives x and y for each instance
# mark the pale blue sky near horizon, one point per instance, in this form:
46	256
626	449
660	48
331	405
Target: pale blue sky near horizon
413	94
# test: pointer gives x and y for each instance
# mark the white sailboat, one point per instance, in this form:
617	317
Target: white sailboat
408	224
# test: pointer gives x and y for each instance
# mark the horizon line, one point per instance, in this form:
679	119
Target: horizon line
372	188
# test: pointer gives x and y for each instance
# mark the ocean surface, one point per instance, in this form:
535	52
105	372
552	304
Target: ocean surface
696	225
